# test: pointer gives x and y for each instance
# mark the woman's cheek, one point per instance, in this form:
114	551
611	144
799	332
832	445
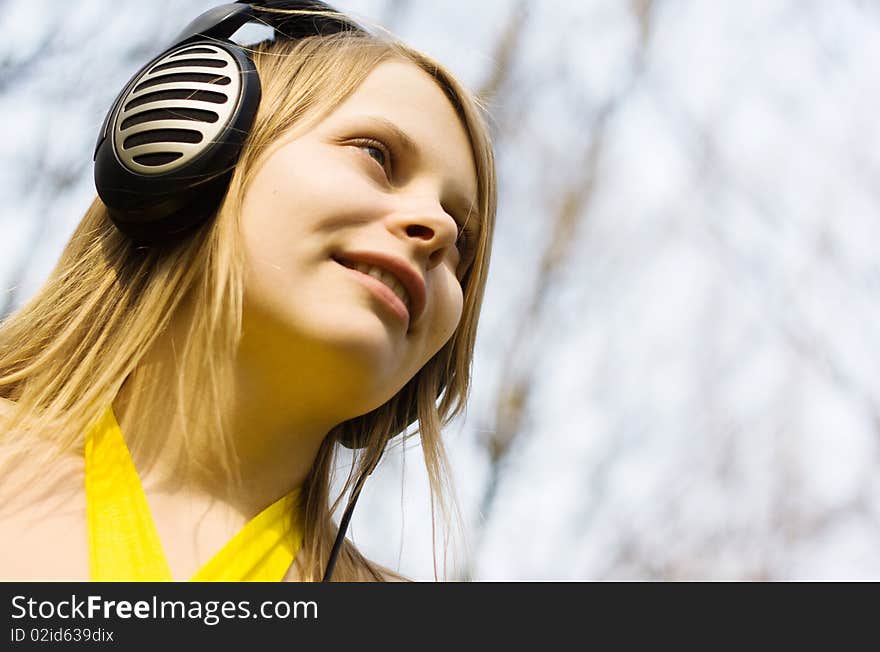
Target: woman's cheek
448	315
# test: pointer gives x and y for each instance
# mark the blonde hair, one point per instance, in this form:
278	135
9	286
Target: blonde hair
67	352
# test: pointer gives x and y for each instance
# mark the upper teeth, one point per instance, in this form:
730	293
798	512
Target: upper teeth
385	277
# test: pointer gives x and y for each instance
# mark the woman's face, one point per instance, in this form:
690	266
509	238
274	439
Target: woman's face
352	234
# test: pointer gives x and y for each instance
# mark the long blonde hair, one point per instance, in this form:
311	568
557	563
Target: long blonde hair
67	352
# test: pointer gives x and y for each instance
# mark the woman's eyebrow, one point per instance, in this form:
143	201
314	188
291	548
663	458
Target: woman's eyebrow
405	139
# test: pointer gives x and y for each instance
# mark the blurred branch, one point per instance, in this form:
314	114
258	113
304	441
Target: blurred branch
519	372
14	70
643	12
795	330
789	521
53	177
506	49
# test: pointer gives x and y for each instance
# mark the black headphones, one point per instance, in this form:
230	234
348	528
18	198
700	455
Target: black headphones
170	142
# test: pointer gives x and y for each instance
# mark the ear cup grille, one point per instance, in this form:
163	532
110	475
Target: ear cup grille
177	78
188	51
180	63
177	109
197	115
163	136
154	160
178	94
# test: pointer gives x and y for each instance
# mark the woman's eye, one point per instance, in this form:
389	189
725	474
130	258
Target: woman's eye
376	151
381	158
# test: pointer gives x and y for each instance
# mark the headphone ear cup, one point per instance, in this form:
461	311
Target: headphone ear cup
173	138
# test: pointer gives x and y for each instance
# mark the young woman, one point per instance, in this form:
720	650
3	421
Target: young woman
175	408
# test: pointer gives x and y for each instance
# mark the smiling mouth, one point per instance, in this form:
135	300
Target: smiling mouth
386	278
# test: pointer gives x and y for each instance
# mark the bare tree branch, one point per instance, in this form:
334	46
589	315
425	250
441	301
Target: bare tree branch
518	372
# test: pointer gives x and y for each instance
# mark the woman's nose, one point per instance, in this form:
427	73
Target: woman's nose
431	232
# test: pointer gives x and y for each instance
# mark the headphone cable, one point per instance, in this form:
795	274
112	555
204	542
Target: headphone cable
343	526
346	517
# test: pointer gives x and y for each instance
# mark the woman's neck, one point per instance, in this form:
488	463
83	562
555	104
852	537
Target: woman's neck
275	424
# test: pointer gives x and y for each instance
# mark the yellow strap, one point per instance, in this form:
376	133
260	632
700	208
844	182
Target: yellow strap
124	544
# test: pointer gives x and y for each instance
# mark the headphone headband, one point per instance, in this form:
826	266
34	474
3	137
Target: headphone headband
223	21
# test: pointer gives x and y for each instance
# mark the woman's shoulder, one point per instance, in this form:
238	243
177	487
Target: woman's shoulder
34	466
42	512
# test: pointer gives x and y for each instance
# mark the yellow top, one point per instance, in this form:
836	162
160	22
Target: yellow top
124	545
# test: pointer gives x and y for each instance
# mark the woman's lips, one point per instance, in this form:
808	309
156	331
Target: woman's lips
401	268
382	292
